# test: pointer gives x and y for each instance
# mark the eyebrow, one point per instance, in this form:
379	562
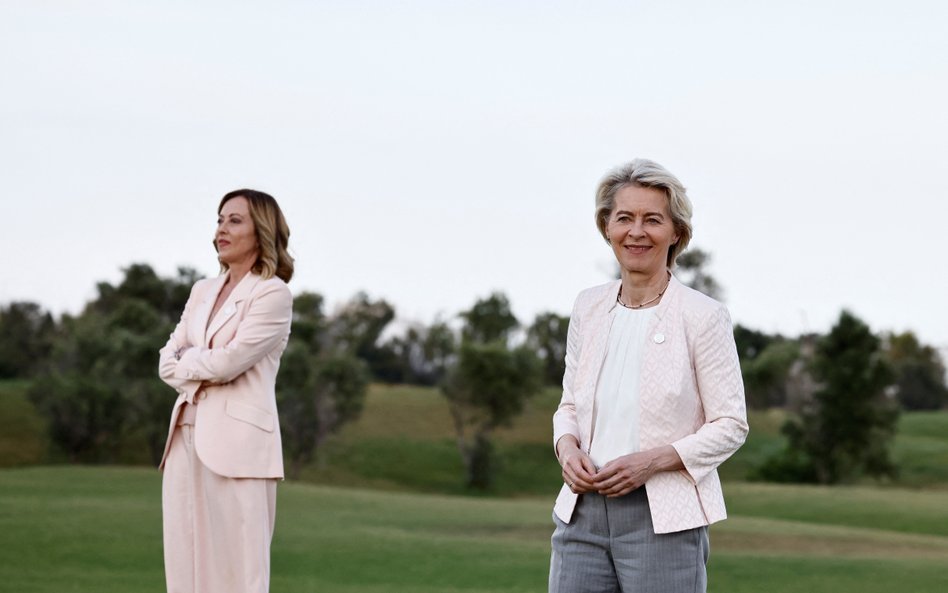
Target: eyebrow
618	212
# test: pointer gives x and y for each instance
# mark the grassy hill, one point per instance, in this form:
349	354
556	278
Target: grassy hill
404	441
92	529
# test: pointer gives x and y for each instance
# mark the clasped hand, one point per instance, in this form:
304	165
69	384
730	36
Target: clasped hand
618	477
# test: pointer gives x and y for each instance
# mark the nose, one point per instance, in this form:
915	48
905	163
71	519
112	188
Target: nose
636	229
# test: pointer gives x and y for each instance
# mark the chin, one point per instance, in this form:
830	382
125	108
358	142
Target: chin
640	269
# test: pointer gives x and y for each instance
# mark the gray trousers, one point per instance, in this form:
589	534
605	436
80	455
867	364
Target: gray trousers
611	547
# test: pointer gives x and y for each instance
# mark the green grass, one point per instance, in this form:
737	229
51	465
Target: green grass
921	449
378	513
84	529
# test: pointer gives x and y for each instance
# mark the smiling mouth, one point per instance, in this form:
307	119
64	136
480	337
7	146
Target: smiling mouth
637	248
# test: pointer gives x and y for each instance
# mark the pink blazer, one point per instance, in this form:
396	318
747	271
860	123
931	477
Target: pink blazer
691	396
230	372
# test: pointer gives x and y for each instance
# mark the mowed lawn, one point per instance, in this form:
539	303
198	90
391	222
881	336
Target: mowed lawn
384	510
97	529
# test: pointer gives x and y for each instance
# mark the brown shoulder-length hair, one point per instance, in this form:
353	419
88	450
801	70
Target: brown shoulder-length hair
273	234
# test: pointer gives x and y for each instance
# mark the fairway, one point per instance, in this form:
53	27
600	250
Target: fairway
95	529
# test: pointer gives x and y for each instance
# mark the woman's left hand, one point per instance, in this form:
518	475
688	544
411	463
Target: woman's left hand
630	472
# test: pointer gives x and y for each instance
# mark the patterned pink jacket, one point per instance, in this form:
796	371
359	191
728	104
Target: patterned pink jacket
691	396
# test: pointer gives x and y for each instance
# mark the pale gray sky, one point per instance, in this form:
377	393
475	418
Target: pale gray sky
431	152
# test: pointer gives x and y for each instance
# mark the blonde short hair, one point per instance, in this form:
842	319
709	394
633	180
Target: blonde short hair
646	173
273	234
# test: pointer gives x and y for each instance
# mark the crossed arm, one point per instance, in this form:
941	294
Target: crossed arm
185	366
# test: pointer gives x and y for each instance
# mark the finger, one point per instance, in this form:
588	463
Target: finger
587	464
604	479
579	470
622	492
620	486
579	481
575	482
603	486
613	489
612	479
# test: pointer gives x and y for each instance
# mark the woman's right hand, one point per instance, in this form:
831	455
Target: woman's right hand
578	468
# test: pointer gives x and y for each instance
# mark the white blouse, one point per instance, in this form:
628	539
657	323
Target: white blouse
616	426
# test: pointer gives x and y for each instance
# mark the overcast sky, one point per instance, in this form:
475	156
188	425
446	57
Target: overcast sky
432	152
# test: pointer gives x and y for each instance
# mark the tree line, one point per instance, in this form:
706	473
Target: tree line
93	375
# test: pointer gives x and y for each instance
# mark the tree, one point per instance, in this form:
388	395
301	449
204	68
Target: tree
423	353
309	322
140	282
356	328
488	385
547	337
26	333
751	342
768	363
847	428
487	389
766	375
692	268
440	348
919	372
100	382
317	395
489	320
85	414
322	384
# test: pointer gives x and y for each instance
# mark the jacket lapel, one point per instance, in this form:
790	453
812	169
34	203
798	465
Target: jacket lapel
595	340
598	336
229	308
198	323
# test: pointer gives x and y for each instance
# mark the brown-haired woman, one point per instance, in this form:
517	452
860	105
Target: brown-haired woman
223	454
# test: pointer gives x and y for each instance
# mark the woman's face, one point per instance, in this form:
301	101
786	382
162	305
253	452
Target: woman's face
236	237
640	230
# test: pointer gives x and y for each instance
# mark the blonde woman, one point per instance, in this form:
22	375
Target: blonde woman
652	403
223	454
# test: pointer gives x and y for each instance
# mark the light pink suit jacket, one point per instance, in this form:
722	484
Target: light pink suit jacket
230	372
691	396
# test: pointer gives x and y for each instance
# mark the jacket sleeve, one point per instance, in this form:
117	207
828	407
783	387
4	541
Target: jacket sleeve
178	340
721	390
264	326
564	419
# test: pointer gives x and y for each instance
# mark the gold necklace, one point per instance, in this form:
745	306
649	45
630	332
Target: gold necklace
648	302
